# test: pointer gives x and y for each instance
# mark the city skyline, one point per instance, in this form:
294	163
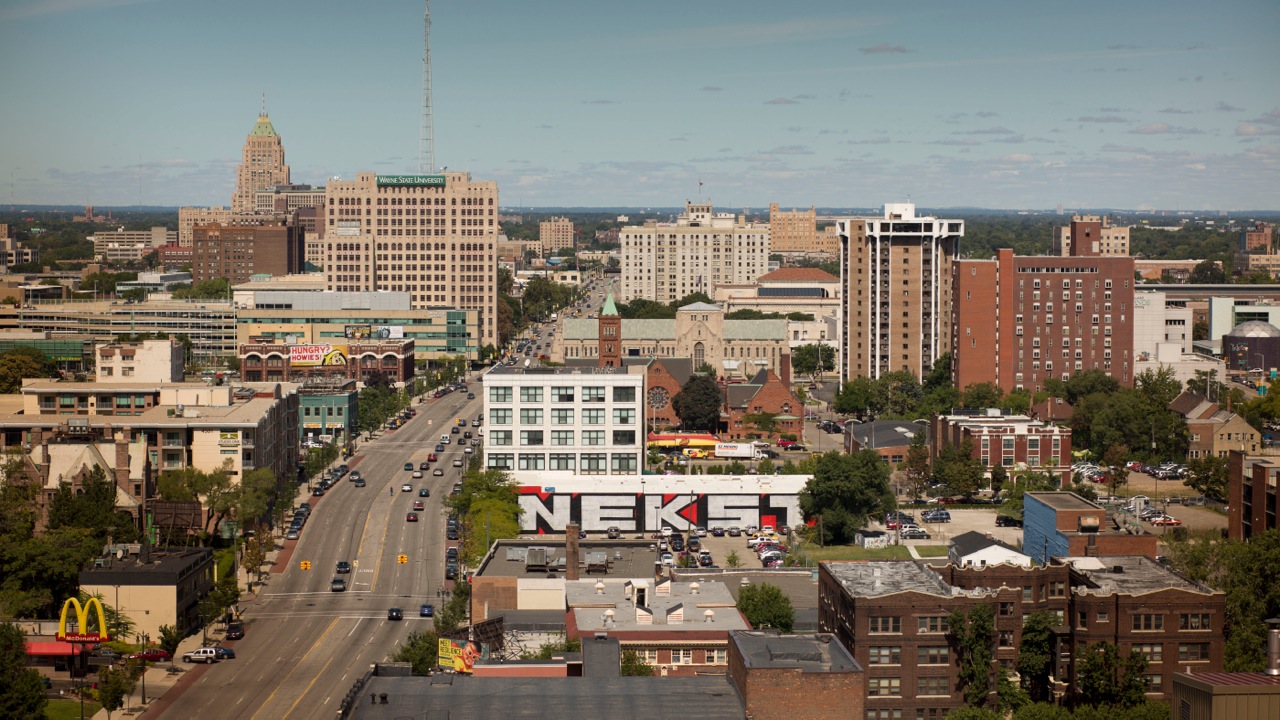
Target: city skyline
116	103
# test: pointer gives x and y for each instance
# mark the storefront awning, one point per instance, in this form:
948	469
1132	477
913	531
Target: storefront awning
53	648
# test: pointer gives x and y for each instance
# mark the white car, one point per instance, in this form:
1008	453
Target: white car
668	559
406	488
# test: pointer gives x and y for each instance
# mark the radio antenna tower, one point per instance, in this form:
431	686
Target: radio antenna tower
426	138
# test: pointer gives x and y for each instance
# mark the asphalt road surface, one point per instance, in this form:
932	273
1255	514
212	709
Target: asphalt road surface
305	645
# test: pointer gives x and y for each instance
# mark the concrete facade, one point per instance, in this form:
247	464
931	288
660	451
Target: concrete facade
261	166
1097	234
555	234
160	361
160	588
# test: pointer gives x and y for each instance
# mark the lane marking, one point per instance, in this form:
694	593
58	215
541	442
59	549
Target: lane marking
297	665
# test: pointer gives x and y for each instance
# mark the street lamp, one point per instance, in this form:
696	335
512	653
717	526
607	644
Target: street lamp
1260	361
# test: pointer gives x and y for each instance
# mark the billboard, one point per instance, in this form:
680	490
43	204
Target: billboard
317	355
374	332
549	510
411	181
461	655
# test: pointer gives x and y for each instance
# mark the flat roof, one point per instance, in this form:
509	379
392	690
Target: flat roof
166	567
819	652
1130	575
626	559
542	370
875	579
1065	501
679	609
462	697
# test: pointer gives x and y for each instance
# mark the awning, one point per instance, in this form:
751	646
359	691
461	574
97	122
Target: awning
53	648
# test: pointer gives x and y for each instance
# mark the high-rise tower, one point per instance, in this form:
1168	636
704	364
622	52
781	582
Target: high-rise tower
261	164
426	138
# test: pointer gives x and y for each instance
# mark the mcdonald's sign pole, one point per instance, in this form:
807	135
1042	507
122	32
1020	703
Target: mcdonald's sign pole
82	636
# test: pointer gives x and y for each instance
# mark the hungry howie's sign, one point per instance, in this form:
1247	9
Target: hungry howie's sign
317	355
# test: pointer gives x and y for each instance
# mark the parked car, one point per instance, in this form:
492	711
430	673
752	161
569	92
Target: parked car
203	655
1007	521
936	516
225	653
915	534
151	655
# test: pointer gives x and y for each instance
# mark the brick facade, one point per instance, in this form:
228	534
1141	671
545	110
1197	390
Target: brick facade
771	395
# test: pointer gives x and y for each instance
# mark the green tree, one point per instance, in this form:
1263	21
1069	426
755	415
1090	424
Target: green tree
846	490
902	394
21	687
732	560
981	395
421	649
858	396
698	404
552	648
1104	677
1042	711
1208	476
1118	473
20	363
1207	272
766	606
114	685
973	713
170	638
916	466
959	469
999	476
973	636
765	467
633	665
1035	654
92	508
812	358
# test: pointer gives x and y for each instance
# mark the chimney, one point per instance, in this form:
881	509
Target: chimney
122	459
571	552
1273	647
784	368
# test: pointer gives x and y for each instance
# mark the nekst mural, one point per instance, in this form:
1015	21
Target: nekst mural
550	512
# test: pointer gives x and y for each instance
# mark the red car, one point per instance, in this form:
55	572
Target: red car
1166	520
784	444
411	517
151	655
431	457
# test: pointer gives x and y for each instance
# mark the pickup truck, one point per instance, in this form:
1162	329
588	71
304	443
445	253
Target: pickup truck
203	655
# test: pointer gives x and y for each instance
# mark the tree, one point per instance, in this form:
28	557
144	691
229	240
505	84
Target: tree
633	665
114	685
1208	476
255	555
973	636
902	394
1207	272
1105	678
1042	711
973	713
959	469
732	560
20	363
170	638
421	650
813	358
21	687
1035	653
858	396
999	476
765	467
1118	473
846	490
1009	695
981	395
916	466
551	648
765	605
698	404
92	508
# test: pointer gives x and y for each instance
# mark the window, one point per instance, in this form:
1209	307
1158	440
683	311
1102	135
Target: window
561	437
1026	593
932	624
1193	652
1154	653
1082	619
563	394
1194	621
1103	616
1006	609
624	394
886	624
592	394
499	437
532	461
933	686
884	714
1147	622
531	416
1155	683
933	655
562	416
561	461
623	463
885	655
716	656
530	437
624	416
499	416
593	417
624	437
1004	639
884	686
592	437
592	462
499	394
502	461
530	394
1057	589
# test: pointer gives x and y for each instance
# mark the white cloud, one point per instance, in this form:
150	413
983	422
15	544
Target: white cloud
883	48
1159	128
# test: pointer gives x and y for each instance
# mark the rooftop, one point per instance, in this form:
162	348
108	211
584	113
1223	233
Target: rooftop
973	541
165	567
798	275
1130	575
819	652
1064	501
877	579
536	370
460	697
887	433
668	606
625	559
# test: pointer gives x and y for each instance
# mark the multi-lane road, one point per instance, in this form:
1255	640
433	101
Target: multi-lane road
305	645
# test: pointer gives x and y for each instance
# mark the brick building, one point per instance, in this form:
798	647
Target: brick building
271	361
764	394
1019	321
780	677
173	254
891	439
892	616
555	234
1058	524
238	252
795	232
1251	492
1010	441
1096	236
1260	239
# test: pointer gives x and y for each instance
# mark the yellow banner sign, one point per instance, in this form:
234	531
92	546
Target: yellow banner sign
461	655
82	634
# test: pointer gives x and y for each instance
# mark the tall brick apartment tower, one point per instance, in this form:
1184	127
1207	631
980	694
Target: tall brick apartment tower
897	294
610	350
1018	321
261	165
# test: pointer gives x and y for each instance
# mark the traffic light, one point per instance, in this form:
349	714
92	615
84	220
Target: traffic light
305	564
402	559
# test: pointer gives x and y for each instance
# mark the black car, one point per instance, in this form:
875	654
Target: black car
451	533
344	567
338	585
453	430
439	447
235	630
915	535
318	491
424	492
424	465
451	572
360	482
395	613
1007	521
717	531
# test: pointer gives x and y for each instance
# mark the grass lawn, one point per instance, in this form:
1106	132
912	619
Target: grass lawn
66	709
931	550
854	552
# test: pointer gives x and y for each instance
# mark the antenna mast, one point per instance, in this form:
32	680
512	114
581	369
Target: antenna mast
426	139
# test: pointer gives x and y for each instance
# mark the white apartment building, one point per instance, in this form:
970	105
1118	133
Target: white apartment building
129	245
579	421
150	360
432	236
665	262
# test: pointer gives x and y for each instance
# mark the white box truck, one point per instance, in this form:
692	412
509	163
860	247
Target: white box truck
738	451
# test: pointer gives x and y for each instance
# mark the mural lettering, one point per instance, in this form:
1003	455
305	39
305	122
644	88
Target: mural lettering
550	512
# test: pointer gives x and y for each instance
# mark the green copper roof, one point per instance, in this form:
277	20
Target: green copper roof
609	307
263	128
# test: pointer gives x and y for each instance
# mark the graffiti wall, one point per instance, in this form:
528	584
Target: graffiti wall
550	512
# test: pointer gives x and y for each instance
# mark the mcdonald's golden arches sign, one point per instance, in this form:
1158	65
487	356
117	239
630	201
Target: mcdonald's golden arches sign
82	634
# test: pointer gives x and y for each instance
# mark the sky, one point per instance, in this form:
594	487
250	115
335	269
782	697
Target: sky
1009	104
